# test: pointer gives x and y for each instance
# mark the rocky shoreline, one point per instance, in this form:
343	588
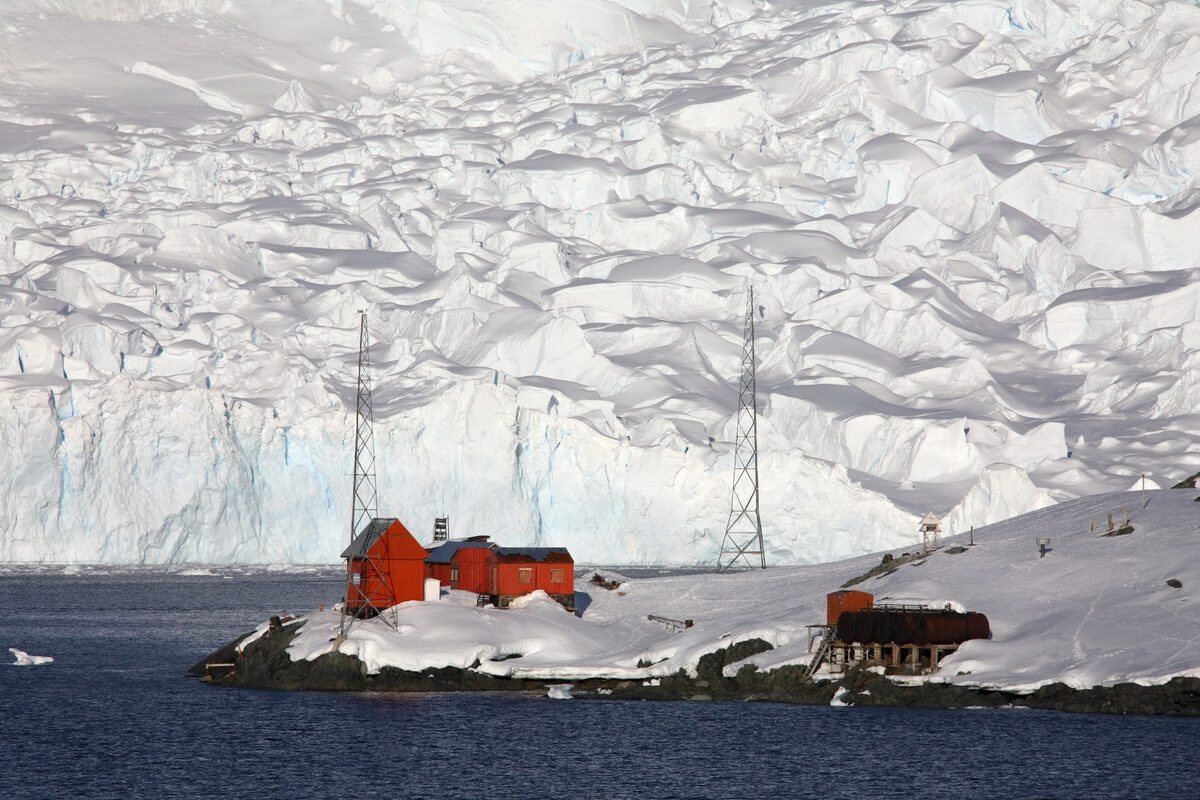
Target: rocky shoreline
264	664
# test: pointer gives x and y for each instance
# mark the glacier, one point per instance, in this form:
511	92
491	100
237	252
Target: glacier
968	227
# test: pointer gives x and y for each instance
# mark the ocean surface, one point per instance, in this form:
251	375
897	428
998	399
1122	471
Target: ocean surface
113	716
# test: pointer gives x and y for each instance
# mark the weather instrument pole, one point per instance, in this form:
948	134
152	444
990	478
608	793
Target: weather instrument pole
743	535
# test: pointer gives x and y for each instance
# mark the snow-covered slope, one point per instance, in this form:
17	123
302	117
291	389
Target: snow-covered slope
1094	610
969	227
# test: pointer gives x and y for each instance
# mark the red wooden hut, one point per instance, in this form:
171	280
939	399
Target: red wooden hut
517	571
440	562
846	600
384	566
471	569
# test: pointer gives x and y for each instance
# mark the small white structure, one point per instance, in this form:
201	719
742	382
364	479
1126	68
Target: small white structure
931	526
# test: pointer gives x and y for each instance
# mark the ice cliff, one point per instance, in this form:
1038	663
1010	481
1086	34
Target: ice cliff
969	225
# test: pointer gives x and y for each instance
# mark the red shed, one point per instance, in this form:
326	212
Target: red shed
384	566
471	568
516	571
846	600
441	555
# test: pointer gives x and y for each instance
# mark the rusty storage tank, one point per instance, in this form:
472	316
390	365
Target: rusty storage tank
903	626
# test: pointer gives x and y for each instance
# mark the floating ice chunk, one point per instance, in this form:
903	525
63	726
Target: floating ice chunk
23	659
561	691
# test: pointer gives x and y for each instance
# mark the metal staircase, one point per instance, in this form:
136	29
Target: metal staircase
822	654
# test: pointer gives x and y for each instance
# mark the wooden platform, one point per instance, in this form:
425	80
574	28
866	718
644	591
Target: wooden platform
914	659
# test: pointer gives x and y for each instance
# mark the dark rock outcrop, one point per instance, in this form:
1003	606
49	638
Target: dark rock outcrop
265	664
712	665
1188	482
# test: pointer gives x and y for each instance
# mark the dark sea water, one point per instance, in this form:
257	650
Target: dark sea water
114	717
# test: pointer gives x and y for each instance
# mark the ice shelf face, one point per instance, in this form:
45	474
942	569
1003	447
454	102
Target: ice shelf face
970	228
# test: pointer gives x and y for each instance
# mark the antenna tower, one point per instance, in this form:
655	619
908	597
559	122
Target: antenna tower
364	502
743	535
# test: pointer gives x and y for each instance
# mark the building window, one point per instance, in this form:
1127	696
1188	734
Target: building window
525	575
558	575
454	574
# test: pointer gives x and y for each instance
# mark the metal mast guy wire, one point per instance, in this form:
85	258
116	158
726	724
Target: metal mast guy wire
743	535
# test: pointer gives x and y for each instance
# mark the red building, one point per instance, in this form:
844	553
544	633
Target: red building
471	569
516	571
440	563
384	566
387	566
846	600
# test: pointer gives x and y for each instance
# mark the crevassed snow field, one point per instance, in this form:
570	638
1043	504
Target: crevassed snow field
970	226
1094	610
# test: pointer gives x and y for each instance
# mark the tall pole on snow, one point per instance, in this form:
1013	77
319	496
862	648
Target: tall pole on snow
743	542
364	501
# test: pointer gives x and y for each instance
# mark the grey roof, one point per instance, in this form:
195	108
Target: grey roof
534	553
367	537
446	550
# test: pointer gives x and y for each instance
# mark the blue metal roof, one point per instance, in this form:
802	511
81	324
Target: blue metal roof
445	551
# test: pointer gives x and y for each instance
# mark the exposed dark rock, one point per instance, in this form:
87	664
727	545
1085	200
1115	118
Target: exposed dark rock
445	679
885	567
1179	696
226	654
600	581
865	688
1188	483
712	665
1175	583
265	664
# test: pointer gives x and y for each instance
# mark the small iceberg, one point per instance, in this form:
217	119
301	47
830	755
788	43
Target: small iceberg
561	691
26	660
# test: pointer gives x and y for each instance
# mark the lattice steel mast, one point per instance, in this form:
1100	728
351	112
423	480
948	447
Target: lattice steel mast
743	534
364	502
